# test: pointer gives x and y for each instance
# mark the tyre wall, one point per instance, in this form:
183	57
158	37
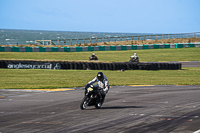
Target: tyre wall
20	64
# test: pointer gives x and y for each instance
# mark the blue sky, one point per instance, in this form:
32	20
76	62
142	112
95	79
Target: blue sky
121	16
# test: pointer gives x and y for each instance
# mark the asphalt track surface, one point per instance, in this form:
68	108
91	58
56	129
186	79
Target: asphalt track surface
134	109
188	63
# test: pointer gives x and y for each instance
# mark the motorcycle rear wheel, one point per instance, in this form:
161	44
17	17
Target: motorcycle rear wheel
98	105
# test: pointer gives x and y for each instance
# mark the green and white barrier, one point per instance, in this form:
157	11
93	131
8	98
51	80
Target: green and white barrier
97	48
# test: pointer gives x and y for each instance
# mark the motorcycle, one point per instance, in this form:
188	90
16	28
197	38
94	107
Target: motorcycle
93	58
91	98
134	60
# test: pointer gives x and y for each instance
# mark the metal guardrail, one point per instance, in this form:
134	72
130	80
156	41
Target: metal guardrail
115	39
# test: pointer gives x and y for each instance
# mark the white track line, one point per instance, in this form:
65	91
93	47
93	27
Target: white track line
198	131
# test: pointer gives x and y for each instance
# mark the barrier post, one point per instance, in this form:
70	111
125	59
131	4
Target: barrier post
70	41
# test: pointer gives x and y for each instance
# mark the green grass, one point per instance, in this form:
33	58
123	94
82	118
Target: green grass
180	54
40	78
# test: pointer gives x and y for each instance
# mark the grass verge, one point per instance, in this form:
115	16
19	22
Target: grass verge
178	54
39	78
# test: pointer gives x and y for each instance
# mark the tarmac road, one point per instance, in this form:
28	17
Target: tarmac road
188	63
134	109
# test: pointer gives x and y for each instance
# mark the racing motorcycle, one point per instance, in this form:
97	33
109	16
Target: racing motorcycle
92	97
134	59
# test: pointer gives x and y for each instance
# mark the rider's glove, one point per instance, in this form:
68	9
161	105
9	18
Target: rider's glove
87	85
105	90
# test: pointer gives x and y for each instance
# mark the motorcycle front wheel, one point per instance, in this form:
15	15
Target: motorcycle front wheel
84	102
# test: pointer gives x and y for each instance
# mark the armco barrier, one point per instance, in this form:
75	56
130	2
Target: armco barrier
96	48
21	64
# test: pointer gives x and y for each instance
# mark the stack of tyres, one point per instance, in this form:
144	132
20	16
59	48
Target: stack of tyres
119	66
109	66
100	65
90	66
3	64
127	65
162	66
78	66
179	66
173	66
116	66
154	66
71	65
170	67
106	66
113	66
95	66
166	66
143	66
134	66
84	65
75	65
87	66
66	65
124	66
103	66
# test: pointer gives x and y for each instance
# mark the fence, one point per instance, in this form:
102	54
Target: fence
97	48
115	39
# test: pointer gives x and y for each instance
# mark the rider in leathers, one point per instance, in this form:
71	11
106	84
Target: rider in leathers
102	84
134	58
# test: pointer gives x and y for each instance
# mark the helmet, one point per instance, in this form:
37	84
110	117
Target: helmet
100	76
